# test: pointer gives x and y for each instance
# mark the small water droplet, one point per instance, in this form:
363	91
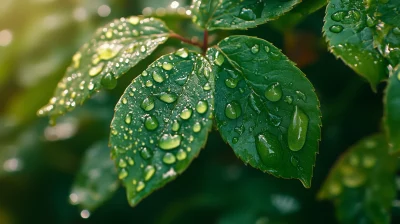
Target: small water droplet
297	131
288	99
266	48
128	118
269	149
240	129
149	83
235	140
96	69
168	141
207	86
167	66
147	104
122	163
219	59
396	30
336	28
182	53
196	127
140	186
157	77
134	20
255	49
168	97
231	83
370	21
186	113
107	52
201	107
233	110
149	172
151	123
181	155
145	153
122	174
175	126
301	95
169	158
274	92
76	59
108	81
124	100
247	14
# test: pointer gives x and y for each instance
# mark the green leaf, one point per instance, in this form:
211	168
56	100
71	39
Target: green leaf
162	121
96	180
362	183
349	32
238	14
301	11
266	109
392	111
114	49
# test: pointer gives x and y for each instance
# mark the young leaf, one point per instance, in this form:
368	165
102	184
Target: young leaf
348	32
96	180
114	49
162	121
362	183
392	111
238	14
266	109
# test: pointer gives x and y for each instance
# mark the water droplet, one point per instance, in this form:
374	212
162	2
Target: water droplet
352	177
196	127
151	123
149	172
247	14
168	97
107	52
149	83
122	174
147	104
207	86
396	30
288	99
108	81
219	59
122	163
169	158
186	113
231	83
201	107
168	141
145	153
140	186
124	100
175	126
157	77
182	53
128	118
167	66
134	20
266	48
131	162
336	28
369	161
294	161
181	154
255	103
301	95
233	110
297	131
268	148
76	59
274	92
370	21
235	140
255	49
337	16
96	69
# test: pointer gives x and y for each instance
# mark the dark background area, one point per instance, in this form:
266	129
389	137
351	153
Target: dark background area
38	163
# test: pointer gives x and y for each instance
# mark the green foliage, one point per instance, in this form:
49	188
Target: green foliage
392	111
362	183
266	109
162	121
237	14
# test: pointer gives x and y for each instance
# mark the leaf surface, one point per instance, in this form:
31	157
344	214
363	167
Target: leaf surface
162	121
266	109
392	111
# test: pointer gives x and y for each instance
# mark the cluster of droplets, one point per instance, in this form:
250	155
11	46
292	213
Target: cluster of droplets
173	144
344	17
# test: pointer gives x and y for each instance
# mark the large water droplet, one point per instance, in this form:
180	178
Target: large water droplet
297	132
134	20
167	66
201	107
169	158
147	104
336	28
168	97
269	149
186	113
96	69
157	77
233	110
338	16
219	59
149	172
274	92
108	81
151	123
182	53
168	141
247	14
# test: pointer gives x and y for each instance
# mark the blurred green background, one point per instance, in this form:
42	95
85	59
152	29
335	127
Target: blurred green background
38	163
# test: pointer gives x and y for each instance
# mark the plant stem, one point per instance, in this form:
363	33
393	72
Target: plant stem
179	37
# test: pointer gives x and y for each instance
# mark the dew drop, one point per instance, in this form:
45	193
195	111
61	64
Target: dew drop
255	103
182	53
301	96
122	174
352	177
336	28
96	69
181	154
157	77
122	163
370	21
219	59
201	107
151	123
196	127
76	59
168	97
134	20
369	161
175	126
168	141
233	110
288	100
128	118
167	66
396	30
337	16
269	149
274	92
297	131
207	86
149	172
294	161
255	49
169	158
235	140
266	48
108	81
186	113
147	104
145	153
107	52
231	83
91	86
124	100
140	186
149	83
247	14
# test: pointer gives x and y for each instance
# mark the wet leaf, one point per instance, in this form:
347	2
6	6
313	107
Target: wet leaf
162	121
362	183
114	49
96	180
349	32
392	111
266	109
237	14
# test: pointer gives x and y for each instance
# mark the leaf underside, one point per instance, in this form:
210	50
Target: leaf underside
362	183
349	31
161	122
113	50
96	180
258	91
392	111
238	14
